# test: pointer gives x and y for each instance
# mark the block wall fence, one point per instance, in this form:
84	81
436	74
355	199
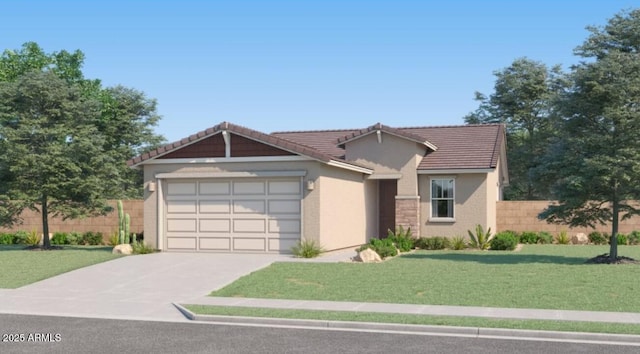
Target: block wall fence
511	215
107	224
523	216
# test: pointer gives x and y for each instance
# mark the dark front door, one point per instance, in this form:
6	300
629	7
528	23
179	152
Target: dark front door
387	191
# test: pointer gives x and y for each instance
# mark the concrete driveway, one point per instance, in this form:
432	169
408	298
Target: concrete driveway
133	287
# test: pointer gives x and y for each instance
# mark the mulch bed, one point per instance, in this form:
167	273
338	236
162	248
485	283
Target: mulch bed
604	259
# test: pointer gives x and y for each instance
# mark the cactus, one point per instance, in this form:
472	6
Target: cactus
124	223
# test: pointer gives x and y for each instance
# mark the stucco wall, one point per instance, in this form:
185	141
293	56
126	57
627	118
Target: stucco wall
393	155
471	200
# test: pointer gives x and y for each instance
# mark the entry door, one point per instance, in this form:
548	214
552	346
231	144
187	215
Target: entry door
387	191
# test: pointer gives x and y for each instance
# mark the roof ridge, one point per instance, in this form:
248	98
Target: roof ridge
452	126
312	131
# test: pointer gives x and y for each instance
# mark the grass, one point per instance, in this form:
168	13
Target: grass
544	325
539	277
21	267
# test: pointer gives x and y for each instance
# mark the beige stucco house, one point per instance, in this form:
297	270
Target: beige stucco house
234	189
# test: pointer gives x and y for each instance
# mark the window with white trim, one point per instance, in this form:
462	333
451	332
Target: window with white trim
442	198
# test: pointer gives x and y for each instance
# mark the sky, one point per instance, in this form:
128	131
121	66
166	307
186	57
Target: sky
305	64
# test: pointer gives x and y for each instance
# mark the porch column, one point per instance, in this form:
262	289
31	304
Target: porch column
408	213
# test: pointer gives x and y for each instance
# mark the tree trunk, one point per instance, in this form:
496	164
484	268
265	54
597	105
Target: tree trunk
46	243
613	243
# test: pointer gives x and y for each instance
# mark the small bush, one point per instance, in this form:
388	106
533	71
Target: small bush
33	239
480	239
140	247
634	238
504	241
304	249
545	238
74	238
563	238
598	238
92	238
6	239
383	247
529	237
458	243
20	237
59	238
386	251
402	239
114	239
622	239
433	243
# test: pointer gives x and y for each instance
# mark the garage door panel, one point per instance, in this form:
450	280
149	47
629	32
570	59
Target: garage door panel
248	188
284	226
284	187
215	188
215	225
215	206
282	244
181	206
249	206
181	225
249	244
284	206
215	243
184	188
249	225
182	243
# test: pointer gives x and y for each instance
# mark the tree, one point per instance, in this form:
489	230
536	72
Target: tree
127	115
596	162
54	156
523	98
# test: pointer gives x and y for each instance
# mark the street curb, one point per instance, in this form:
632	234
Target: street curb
473	332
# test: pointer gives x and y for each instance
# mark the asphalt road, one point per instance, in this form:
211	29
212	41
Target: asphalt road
43	334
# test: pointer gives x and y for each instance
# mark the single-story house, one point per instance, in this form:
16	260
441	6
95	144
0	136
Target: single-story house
234	189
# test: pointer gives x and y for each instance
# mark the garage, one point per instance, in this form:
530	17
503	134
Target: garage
232	214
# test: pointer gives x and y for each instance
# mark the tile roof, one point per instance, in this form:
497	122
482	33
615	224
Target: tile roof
450	147
458	147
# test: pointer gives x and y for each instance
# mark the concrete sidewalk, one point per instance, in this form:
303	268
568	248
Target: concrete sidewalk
464	311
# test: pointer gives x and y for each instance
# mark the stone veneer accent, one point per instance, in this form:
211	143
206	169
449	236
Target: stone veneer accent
408	213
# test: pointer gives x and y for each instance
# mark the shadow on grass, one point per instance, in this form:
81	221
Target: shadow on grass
492	258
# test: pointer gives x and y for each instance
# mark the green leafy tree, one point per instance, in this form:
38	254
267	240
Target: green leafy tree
596	163
53	155
523	100
127	116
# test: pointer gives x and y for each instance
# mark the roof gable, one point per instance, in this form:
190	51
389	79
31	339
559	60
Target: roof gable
378	127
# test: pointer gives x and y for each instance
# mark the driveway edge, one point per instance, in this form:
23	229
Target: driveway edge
474	332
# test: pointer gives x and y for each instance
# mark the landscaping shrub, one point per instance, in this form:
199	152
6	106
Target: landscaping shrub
545	237
74	238
458	243
59	238
34	238
480	239
529	237
114	239
433	243
6	239
92	238
563	238
20	237
383	247
634	238
402	239
304	248
623	239
504	241
140	247
598	238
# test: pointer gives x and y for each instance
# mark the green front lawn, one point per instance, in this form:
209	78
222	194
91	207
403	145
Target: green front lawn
19	267
539	276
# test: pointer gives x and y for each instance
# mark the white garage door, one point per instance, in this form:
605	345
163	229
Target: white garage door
233	215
